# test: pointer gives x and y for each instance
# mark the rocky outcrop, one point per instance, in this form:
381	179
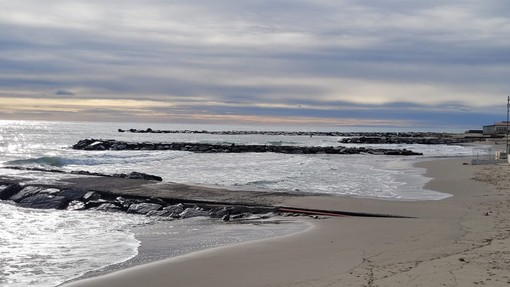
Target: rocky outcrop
97	144
53	197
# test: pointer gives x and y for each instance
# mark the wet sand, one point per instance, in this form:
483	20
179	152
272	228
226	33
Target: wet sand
463	240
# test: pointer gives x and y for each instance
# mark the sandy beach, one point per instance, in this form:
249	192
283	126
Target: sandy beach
459	241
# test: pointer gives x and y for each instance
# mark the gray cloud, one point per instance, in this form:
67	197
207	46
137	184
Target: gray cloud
270	53
63	93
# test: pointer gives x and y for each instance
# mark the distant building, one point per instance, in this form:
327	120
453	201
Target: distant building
495	129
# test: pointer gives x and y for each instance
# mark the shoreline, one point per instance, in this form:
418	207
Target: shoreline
451	241
154	248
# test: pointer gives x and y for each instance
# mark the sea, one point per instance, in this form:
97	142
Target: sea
50	247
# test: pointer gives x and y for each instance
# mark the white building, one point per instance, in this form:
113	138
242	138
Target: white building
496	129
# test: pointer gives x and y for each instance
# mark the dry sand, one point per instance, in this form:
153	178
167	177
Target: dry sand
459	241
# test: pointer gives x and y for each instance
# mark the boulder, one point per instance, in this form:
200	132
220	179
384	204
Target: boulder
8	191
27	191
44	201
193	212
91	195
143	208
73	194
178	208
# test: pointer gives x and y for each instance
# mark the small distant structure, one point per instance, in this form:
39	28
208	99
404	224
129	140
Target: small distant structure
478	132
498	129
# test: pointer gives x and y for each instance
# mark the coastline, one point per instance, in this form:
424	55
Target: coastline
155	246
461	240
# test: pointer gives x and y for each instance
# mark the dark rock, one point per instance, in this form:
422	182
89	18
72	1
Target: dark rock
140	175
143	208
226	217
9	191
73	194
44	201
27	191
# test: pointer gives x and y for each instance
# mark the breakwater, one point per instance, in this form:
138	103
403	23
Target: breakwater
395	139
301	133
99	144
170	201
54	196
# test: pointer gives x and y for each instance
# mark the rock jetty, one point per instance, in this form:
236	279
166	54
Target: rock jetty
411	139
99	144
385	137
235	132
56	197
167	201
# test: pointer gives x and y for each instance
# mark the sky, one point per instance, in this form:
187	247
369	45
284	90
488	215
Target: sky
299	62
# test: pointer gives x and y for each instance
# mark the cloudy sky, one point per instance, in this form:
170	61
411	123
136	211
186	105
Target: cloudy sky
333	62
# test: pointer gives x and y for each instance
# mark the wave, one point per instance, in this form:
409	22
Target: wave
123	158
262	182
45	160
280	143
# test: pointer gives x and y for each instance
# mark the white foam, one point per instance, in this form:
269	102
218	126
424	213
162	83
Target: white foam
48	247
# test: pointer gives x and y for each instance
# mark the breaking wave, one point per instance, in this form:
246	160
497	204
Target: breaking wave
45	161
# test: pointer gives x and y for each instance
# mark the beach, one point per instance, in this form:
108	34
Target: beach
462	240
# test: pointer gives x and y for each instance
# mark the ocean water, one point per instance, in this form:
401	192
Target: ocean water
46	248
